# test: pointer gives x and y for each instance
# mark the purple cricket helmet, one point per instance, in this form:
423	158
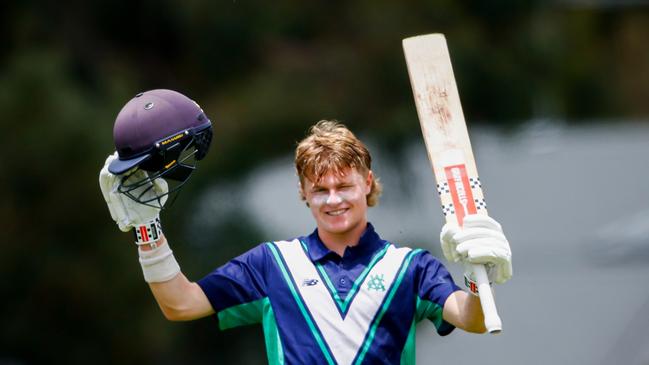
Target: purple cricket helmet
162	132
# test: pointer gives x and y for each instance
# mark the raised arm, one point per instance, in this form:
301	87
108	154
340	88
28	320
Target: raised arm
178	298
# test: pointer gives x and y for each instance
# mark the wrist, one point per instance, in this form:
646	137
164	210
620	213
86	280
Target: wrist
155	256
148	234
471	282
158	263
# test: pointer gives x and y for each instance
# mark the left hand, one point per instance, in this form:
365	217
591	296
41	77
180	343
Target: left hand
126	212
479	241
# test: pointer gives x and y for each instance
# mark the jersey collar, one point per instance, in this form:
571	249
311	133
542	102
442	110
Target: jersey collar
369	243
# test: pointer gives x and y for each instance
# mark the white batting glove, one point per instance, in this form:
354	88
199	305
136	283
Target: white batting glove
126	212
158	262
480	241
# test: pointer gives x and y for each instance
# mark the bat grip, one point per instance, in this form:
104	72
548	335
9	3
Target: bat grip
491	318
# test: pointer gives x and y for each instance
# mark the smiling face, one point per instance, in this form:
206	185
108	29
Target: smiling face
338	203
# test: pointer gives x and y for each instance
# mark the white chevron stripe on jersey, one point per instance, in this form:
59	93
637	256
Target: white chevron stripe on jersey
343	336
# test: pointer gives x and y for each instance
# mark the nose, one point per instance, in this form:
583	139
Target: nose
334	198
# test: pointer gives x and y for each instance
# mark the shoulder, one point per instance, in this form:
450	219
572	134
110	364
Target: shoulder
265	250
256	254
421	262
260	258
272	247
418	256
425	258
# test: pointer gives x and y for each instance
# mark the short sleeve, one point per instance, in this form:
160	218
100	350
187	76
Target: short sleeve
237	290
434	286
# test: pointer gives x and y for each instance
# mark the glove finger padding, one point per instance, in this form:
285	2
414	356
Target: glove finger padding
148	191
483	247
139	213
503	273
481	221
161	188
484	255
480	241
467	234
126	212
488	252
108	184
448	243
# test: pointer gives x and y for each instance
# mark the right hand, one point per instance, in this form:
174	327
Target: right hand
126	212
480	241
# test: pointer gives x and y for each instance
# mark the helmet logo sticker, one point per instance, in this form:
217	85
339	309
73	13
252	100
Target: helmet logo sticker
149	105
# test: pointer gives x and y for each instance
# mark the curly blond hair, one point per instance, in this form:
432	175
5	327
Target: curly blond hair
331	147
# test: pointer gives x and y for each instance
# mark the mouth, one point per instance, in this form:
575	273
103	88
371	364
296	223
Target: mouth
337	212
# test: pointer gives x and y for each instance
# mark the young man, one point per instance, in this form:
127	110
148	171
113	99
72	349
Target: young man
340	295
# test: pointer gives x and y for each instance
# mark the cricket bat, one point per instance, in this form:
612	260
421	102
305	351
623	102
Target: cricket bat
448	145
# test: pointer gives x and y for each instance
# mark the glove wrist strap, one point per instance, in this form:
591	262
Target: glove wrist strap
472	284
148	233
156	258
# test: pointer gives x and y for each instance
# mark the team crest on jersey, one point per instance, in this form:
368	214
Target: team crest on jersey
375	282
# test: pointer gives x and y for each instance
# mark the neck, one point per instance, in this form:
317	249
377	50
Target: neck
338	242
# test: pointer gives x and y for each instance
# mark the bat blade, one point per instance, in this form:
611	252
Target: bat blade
448	145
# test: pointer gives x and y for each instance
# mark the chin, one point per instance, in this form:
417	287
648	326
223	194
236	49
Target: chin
338	227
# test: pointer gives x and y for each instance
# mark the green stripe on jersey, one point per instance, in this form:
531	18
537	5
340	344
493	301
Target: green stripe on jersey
408	355
433	311
251	313
242	314
424	309
274	349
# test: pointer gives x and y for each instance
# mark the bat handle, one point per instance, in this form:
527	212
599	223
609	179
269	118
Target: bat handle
491	318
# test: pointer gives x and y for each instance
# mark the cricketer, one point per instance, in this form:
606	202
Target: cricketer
337	295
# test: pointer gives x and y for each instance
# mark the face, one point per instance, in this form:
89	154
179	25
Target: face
338	202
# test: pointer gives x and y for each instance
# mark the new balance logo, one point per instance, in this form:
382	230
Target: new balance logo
309	282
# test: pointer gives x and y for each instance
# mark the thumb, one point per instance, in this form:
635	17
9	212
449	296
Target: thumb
448	243
448	231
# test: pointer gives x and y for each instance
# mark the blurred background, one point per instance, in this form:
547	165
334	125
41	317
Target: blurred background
556	94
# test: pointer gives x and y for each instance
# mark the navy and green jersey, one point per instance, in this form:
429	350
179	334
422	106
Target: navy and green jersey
319	308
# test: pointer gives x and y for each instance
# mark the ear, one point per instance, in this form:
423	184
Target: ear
368	182
300	190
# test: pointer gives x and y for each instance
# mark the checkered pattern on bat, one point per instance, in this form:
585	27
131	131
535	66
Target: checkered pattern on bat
475	182
448	209
443	188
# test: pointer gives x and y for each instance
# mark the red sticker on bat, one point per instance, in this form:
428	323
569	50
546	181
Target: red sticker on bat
458	184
